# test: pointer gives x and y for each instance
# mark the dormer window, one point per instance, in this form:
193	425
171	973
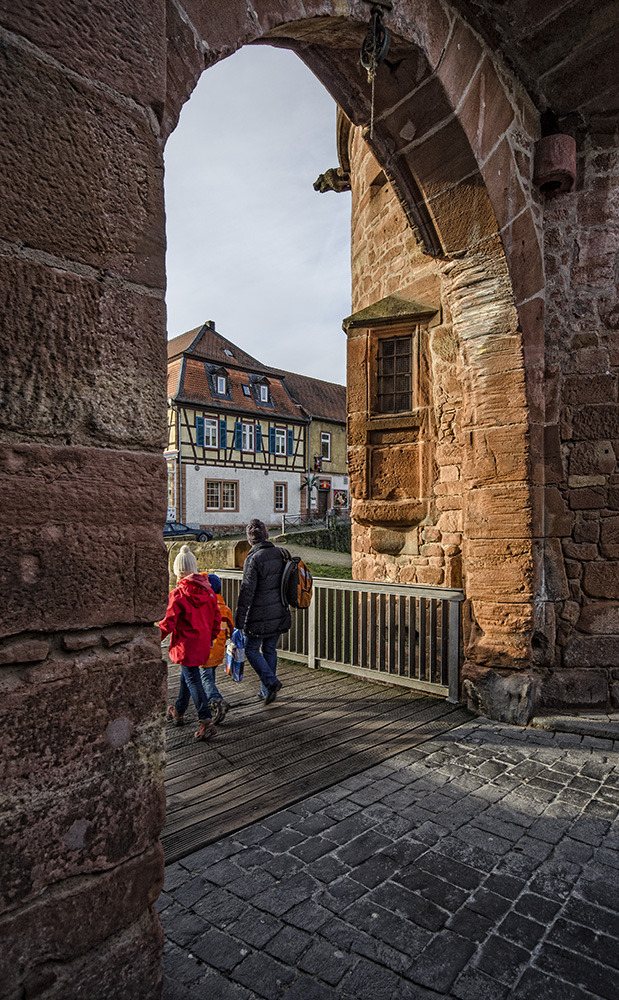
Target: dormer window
260	388
218	380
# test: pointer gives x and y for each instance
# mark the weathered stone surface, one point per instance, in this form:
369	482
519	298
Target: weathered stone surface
96	375
507	569
23	651
509	697
122	46
82	500
601	579
591	651
600	618
70	920
569	688
555	578
77	139
388	541
609	542
497	512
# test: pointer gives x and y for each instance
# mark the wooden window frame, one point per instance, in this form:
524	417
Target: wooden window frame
280	434
394	332
325	435
284	509
247	426
215	428
220	483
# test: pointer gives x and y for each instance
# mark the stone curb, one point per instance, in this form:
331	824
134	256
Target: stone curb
603	727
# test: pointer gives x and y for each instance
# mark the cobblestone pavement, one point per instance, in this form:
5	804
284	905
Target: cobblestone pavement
478	867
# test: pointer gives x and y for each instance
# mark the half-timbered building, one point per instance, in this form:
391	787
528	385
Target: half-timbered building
239	440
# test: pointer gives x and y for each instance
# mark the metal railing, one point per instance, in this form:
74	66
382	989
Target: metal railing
401	634
336	515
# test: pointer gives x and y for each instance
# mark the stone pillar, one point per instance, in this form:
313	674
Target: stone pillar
83	488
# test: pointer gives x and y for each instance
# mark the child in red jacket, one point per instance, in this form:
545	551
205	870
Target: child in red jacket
217	705
193	621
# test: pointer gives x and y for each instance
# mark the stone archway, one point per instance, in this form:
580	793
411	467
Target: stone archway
92	97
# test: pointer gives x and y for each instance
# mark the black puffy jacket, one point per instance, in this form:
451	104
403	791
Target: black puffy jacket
259	609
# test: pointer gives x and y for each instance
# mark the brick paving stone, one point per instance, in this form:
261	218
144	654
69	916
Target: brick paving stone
283	865
476	985
470	924
538	849
504	885
375	870
439	891
251	883
578	971
184	925
600	947
591	915
410	905
326	962
537	907
252	835
362	847
451	870
442	961
286	894
490	822
405	850
521	930
489	904
504	960
223	872
327	868
289	944
574	851
280	820
252	857
181	965
483	839
282	840
474	857
313	848
394	930
534	985
352	826
308	916
590	831
219	950
312	824
306	988
255	928
264	975
175	876
370	981
212	855
340	894
219	907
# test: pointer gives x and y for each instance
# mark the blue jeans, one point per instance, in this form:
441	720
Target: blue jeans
264	662
207	675
191	687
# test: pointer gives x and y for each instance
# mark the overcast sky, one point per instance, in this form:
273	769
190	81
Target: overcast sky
251	245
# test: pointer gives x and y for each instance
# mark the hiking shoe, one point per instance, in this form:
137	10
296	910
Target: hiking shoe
223	708
216	710
206	730
272	692
174	717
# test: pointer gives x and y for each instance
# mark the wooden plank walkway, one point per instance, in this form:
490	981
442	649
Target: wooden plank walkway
323	727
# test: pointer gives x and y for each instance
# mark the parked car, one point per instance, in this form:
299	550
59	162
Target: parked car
174	529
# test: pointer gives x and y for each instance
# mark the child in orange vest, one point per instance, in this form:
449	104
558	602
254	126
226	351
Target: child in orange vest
217	705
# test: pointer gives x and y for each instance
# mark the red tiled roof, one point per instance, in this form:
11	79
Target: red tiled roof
317	397
195	388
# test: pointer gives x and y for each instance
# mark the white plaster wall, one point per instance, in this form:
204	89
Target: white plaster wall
256	495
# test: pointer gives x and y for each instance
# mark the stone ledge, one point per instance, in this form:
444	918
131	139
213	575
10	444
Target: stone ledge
601	724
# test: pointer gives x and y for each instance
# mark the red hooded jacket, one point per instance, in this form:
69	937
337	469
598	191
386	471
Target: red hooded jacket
193	619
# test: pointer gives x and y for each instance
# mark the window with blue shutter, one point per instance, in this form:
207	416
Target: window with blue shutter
200	432
290	441
238	436
271	440
222	434
258	437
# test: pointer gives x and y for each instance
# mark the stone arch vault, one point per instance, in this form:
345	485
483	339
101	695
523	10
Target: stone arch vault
90	95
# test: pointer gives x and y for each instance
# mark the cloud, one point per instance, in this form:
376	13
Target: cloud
251	245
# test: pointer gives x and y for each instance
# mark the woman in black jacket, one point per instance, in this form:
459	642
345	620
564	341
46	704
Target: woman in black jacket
260	612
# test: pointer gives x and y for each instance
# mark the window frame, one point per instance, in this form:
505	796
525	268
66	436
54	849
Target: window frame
264	393
284	487
219	379
221	483
280	436
248	429
325	438
395	331
212	424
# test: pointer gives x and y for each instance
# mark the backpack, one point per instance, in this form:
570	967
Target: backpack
296	585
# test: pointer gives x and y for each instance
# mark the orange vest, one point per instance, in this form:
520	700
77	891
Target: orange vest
218	649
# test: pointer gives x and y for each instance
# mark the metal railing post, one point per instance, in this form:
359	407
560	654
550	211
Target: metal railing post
311	630
453	658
